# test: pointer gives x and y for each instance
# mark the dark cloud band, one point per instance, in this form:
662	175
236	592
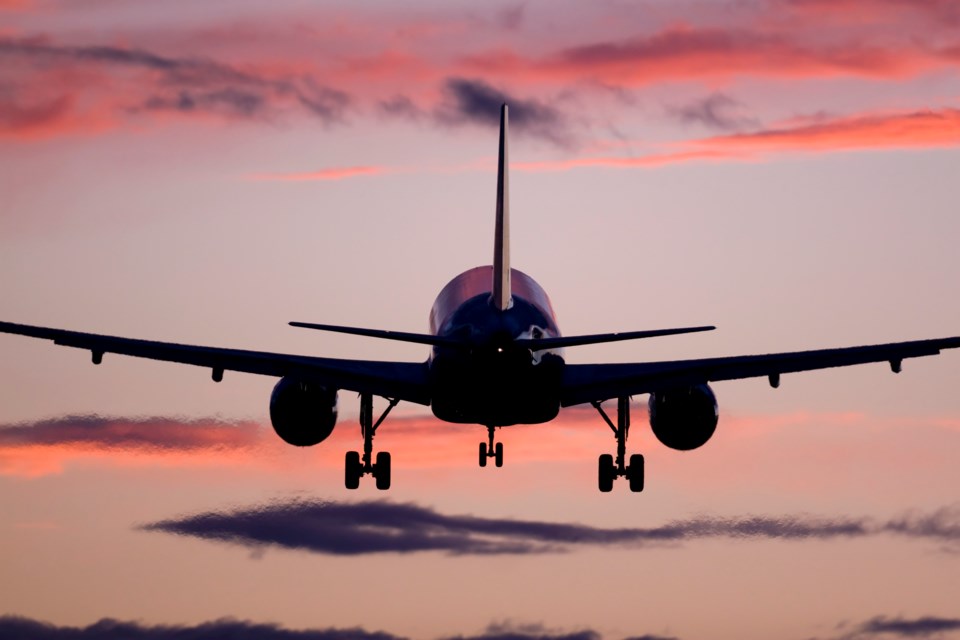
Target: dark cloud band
386	527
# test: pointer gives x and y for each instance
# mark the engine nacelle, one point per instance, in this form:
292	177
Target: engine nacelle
684	419
303	413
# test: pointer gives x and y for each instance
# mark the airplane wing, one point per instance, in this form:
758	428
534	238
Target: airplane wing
399	380
598	382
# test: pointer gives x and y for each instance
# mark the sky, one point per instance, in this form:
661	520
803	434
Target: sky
205	173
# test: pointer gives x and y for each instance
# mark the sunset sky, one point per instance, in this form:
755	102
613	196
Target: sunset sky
205	172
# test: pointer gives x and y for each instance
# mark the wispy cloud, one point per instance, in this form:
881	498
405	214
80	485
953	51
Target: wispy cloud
54	88
703	53
387	527
47	446
716	111
927	129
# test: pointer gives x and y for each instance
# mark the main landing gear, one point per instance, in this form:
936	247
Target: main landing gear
610	469
358	467
490	449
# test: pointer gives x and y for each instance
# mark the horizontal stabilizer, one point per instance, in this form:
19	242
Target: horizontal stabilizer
400	336
539	344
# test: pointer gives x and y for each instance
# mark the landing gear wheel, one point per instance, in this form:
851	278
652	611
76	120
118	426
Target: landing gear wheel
498	454
606	473
381	470
635	473
483	454
353	470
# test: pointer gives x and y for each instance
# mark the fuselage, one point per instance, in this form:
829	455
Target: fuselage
491	380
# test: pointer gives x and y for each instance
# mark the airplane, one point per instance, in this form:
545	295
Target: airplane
497	360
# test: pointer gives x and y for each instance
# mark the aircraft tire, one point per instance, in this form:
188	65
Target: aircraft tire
381	471
483	454
352	470
605	473
635	473
498	454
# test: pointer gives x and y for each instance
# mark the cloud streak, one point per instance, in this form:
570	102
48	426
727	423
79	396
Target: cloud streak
910	628
927	129
47	446
705	53
351	529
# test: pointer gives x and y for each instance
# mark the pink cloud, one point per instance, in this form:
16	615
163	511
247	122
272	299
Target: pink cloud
49	446
880	131
871	11
688	53
16	5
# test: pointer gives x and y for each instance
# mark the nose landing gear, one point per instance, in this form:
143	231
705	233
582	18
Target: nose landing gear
609	469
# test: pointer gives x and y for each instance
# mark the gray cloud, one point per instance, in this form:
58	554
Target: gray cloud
910	628
183	84
107	629
401	107
476	102
716	111
386	527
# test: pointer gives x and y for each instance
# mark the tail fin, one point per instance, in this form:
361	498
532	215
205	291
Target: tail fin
501	243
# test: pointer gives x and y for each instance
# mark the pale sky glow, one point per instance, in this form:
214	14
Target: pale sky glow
207	172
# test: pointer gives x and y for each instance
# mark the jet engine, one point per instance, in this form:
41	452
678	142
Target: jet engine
685	418
303	413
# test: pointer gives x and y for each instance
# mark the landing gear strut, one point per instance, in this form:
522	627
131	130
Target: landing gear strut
610	469
490	449
357	466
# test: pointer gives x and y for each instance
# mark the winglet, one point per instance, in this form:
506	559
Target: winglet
501	242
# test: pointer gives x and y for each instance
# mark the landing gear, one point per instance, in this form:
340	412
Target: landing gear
491	450
610	469
357	467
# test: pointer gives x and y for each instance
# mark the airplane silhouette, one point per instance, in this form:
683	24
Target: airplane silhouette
497	360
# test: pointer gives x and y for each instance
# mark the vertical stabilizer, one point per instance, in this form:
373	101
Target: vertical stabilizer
501	242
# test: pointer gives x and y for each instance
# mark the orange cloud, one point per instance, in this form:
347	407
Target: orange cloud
49	446
903	130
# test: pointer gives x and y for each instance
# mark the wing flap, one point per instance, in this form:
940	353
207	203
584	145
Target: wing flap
589	382
402	380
